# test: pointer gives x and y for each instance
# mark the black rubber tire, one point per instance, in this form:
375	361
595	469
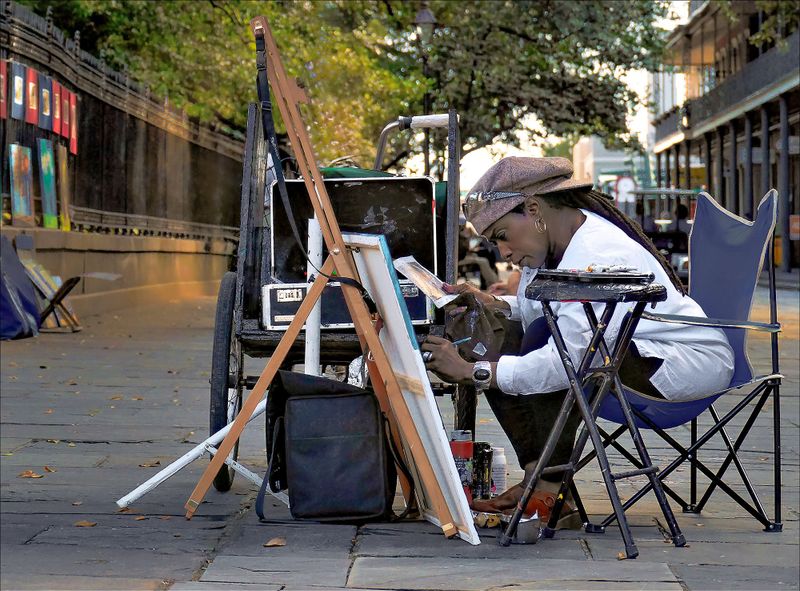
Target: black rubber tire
226	349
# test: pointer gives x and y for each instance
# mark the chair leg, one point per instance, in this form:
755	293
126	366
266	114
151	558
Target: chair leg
692	506
733	449
775	386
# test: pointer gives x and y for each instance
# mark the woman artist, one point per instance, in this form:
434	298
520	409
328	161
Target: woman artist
539	217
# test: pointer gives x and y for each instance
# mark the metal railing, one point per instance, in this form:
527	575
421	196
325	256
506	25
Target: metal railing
94	220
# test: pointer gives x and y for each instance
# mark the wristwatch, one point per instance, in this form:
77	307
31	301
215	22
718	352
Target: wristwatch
482	375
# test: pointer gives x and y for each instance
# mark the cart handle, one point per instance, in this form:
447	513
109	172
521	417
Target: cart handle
403	123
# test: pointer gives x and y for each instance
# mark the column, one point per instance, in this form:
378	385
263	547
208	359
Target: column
687	165
707	158
783	185
677	166
668	179
658	170
733	198
719	188
765	164
747	210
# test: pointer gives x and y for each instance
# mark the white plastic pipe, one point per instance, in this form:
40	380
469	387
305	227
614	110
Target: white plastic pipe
428	121
315	317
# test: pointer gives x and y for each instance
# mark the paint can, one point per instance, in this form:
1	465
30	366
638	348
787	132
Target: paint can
499	470
461	447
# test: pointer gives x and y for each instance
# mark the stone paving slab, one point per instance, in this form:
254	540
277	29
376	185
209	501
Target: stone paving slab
469	575
294	570
313	539
739	578
55	582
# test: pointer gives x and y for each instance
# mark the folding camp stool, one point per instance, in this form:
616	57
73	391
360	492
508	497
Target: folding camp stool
611	290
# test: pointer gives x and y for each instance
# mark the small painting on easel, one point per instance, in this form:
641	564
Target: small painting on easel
19	164
63	187
47	178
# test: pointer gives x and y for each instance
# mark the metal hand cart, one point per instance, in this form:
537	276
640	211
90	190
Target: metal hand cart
267	255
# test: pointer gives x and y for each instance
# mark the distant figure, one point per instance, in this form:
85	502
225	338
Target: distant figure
647	221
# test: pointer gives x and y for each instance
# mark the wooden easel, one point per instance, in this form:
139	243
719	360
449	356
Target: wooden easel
288	96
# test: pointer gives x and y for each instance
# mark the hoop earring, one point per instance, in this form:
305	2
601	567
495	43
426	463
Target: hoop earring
540	224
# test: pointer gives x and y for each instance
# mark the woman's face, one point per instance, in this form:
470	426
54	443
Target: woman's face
517	238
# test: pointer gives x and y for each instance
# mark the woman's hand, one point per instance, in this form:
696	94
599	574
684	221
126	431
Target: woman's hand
442	358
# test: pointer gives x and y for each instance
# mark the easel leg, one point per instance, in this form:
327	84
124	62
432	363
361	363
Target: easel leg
259	389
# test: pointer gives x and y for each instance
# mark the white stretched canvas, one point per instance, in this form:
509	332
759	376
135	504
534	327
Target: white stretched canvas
377	274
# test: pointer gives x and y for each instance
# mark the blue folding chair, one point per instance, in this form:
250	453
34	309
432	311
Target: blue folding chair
726	256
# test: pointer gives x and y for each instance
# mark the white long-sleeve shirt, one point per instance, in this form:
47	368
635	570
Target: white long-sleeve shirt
698	361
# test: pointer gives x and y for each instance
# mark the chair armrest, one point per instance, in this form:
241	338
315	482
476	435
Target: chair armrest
716	322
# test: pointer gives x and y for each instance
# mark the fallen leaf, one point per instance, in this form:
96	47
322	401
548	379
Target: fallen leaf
29	474
124	510
136	398
12	378
139	518
77	503
275	542
70	444
150	464
53	441
85	523
49	411
50	469
700	524
94	412
72	383
117	397
621	556
13	364
165	517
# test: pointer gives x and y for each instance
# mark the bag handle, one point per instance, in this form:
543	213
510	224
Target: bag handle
265	483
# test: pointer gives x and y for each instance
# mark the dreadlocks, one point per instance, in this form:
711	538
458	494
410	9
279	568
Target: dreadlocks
603	205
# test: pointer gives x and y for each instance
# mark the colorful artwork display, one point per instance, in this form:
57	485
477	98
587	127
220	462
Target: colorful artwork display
73	128
47	177
19	160
45	102
65	112
17	91
63	186
31	96
56	107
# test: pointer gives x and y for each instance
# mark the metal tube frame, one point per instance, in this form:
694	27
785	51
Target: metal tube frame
588	405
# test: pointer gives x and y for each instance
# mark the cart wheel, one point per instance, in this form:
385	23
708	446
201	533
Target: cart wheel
226	373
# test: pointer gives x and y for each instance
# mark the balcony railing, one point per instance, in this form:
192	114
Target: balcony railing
758	74
754	76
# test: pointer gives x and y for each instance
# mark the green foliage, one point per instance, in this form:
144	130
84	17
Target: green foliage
781	18
497	62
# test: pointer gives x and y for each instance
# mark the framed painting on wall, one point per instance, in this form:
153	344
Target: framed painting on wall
31	96
63	186
45	102
17	97
73	128
19	165
56	107
64	112
47	177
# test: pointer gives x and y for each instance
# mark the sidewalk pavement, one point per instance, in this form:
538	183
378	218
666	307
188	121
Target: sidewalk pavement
96	413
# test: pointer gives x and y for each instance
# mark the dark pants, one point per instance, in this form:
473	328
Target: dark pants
527	419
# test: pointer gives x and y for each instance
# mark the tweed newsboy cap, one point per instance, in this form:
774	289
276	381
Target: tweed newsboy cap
506	184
